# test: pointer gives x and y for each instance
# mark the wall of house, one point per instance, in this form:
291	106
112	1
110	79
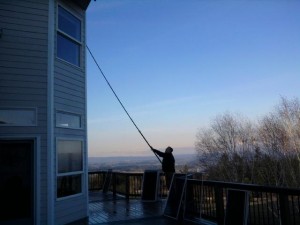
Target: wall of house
23	76
31	76
70	96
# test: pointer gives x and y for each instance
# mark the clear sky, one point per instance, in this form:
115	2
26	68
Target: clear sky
175	65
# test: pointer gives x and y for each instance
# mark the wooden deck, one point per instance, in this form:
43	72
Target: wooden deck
104	209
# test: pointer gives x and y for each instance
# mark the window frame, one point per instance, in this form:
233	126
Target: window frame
67	36
72	114
32	109
66	174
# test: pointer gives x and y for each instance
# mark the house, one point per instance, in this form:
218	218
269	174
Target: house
43	109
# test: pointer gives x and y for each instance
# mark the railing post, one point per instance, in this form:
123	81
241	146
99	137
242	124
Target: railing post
284	209
219	205
101	180
114	184
127	189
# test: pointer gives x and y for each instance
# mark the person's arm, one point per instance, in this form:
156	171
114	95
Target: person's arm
159	153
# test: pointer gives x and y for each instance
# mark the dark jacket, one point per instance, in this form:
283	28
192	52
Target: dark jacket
168	162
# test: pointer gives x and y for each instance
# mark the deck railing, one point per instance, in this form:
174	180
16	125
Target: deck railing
208	200
264	205
123	183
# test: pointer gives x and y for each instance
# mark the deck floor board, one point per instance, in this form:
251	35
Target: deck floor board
107	209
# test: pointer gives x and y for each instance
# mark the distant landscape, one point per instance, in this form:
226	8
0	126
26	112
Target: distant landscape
184	162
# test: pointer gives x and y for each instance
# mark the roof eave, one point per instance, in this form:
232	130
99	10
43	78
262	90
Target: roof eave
83	4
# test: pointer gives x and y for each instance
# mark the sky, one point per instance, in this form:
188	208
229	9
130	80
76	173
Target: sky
176	65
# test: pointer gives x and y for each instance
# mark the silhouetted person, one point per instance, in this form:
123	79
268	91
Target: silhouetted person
168	163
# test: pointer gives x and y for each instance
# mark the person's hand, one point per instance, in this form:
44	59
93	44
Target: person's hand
151	148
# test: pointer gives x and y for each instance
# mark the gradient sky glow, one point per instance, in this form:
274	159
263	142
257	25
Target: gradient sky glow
175	65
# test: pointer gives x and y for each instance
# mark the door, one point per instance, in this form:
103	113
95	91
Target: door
16	181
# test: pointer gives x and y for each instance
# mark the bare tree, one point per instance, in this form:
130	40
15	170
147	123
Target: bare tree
224	148
235	149
280	140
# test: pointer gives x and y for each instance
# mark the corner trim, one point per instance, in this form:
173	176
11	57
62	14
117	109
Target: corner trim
50	117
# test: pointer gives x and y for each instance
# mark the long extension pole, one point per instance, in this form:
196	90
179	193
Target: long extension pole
121	102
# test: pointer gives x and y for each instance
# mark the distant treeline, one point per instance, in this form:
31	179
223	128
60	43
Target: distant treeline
265	152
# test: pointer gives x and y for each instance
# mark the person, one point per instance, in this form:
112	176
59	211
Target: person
168	163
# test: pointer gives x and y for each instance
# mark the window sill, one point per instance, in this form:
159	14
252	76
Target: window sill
69	64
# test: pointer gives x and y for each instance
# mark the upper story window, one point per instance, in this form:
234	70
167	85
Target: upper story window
68	37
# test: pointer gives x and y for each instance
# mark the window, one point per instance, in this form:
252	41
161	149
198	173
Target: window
69	167
68	37
68	185
17	117
68	120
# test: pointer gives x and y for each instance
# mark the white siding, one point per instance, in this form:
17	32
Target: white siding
70	96
23	73
24	83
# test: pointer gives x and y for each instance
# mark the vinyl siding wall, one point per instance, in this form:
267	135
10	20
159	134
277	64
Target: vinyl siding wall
23	83
23	74
70	96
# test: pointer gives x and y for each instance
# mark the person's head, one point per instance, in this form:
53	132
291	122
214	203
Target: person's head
169	150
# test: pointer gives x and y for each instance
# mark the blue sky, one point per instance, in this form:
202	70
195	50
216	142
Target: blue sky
175	65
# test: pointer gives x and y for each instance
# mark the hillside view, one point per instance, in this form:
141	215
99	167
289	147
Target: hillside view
184	163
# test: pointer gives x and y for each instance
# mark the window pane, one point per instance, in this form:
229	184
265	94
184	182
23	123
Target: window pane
20	117
68	185
68	49
68	120
69	24
69	155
